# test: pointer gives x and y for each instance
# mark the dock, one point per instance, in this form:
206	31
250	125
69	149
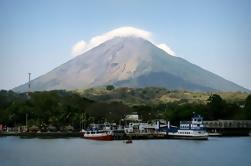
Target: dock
228	127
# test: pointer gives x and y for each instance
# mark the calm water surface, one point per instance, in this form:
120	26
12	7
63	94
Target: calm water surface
235	151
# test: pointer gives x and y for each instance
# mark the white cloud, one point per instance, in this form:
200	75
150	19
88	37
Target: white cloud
120	32
166	48
79	48
82	46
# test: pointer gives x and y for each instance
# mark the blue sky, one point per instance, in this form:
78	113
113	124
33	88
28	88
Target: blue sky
37	36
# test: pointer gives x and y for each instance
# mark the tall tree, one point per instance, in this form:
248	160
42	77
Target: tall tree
216	106
248	107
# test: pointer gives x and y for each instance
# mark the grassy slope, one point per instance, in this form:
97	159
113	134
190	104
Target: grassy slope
139	96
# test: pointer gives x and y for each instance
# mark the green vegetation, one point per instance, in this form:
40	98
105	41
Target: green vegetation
63	108
153	95
110	87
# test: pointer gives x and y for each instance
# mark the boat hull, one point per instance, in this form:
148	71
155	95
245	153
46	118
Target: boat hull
189	134
100	138
188	137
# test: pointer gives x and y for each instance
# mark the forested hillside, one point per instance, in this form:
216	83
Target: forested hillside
61	108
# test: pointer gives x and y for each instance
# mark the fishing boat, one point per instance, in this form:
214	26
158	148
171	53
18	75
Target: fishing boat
190	130
102	135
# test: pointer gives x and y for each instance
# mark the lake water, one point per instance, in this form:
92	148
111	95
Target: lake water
233	151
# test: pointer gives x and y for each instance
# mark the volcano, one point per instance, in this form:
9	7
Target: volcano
129	62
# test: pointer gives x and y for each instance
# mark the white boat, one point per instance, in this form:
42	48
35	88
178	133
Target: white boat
190	130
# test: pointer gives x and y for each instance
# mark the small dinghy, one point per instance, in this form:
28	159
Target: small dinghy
128	141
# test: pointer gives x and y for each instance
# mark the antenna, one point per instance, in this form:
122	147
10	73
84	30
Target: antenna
29	86
29	82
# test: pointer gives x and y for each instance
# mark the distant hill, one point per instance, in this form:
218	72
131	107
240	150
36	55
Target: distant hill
130	62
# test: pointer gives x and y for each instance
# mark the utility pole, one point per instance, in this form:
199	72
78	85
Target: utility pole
26	121
29	91
81	121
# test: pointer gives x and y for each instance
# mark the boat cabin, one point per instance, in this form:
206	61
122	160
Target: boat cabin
195	124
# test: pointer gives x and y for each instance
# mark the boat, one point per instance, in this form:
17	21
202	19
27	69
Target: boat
129	141
190	130
102	135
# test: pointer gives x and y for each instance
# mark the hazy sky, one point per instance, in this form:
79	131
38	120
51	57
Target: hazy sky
38	35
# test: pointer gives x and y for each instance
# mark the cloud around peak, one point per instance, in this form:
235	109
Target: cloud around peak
82	46
79	48
166	48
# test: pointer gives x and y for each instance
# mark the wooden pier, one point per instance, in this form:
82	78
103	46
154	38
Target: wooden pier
228	127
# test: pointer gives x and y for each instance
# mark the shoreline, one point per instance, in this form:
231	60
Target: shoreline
42	134
54	135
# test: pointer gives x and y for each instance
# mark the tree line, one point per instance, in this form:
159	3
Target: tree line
62	108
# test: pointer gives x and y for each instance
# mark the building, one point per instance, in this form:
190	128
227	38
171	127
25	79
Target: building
132	117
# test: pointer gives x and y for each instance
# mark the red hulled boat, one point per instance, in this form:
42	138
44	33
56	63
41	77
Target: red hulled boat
97	135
